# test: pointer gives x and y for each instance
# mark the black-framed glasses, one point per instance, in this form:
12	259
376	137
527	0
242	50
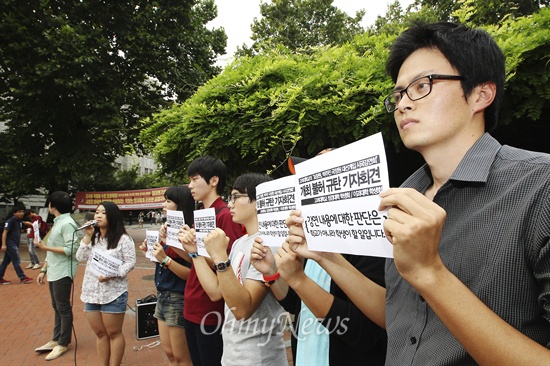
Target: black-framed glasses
417	89
235	196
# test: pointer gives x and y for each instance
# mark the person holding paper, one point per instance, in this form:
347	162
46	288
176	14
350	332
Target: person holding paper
60	269
252	330
110	255
171	272
204	316
328	329
470	279
34	260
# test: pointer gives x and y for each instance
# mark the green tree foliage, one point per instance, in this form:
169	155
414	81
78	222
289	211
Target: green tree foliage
264	108
486	11
397	19
122	180
526	44
299	24
525	117
76	77
13	184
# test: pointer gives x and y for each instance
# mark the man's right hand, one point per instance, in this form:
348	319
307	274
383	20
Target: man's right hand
290	265
40	279
297	238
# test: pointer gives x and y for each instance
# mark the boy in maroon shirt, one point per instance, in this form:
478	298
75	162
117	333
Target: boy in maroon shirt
204	317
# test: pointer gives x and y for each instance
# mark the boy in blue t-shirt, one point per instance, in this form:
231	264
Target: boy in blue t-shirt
11	237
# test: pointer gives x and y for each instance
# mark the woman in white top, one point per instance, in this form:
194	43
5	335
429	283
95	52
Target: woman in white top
111	254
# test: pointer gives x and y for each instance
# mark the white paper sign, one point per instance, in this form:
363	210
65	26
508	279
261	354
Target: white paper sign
338	195
102	264
174	222
205	222
274	201
36	230
152	237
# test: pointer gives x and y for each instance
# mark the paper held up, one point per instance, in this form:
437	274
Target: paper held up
205	222
338	194
174	222
152	237
102	264
274	202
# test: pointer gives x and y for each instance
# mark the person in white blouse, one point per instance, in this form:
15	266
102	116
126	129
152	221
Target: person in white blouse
110	254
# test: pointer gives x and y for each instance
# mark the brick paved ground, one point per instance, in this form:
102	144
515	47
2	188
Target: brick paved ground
26	318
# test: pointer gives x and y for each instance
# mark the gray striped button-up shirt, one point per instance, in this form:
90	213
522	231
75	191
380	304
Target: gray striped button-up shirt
496	240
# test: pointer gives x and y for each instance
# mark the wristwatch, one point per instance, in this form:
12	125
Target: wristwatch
222	266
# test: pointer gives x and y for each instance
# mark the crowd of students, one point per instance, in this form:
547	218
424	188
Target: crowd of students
469	282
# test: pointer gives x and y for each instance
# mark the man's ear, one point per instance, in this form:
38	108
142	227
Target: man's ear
484	95
214	181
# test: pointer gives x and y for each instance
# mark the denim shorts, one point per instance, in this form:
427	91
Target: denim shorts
116	306
170	308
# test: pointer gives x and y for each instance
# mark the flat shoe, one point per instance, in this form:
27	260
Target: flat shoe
48	347
56	352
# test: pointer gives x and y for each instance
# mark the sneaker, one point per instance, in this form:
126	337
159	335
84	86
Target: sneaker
56	352
48	347
26	280
29	266
4	282
36	266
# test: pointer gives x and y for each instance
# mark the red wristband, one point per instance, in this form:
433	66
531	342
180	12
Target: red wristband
272	278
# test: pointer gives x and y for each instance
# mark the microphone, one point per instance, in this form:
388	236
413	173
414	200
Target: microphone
91	223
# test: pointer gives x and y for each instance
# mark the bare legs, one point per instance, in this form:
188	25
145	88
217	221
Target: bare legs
174	344
110	341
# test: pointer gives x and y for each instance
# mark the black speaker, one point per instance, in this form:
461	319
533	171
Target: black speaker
146	323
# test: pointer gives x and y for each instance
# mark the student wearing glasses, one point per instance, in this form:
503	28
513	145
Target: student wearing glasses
470	279
252	331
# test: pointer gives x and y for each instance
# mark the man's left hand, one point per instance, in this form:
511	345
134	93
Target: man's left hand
414	226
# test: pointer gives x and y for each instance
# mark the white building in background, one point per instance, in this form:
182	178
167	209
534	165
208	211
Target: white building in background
146	164
34	202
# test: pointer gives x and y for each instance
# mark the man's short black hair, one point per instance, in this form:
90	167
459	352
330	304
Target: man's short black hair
18	207
61	201
248	182
208	167
472	52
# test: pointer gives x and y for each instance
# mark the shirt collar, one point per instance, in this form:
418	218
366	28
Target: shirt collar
474	167
60	217
476	164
